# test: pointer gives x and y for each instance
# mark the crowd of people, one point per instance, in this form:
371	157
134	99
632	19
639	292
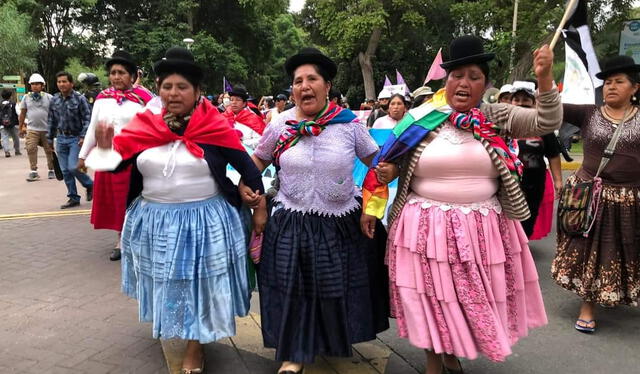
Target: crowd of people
453	264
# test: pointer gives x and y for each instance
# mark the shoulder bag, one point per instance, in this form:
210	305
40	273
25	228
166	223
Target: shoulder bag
579	203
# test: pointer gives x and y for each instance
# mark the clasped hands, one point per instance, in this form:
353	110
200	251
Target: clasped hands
258	203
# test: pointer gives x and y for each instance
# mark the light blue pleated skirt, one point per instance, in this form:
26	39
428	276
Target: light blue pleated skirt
186	264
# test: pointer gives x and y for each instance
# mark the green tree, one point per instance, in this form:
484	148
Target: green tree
17	45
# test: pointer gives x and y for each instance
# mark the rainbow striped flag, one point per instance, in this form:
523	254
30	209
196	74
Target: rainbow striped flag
407	134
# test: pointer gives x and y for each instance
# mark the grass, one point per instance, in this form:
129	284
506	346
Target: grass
576	148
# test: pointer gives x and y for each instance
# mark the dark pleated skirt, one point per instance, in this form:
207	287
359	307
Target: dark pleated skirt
323	285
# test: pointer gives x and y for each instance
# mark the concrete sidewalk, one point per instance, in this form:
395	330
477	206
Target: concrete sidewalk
62	311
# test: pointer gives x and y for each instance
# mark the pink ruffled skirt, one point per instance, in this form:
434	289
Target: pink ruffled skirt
462	279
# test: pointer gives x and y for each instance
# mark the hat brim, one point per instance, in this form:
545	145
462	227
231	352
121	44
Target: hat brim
473	59
121	61
620	69
321	60
181	67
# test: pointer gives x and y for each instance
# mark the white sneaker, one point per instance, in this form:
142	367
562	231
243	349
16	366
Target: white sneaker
33	176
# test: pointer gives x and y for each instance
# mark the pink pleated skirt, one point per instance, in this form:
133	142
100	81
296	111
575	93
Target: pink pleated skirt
462	279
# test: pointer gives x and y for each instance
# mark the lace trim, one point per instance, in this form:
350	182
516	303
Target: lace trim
345	209
482	207
453	135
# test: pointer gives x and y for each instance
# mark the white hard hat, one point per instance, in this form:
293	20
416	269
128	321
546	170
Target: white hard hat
36	78
384	94
528	87
506	88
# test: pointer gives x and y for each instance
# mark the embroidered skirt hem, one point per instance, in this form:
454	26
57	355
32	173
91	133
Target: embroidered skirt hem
186	264
604	267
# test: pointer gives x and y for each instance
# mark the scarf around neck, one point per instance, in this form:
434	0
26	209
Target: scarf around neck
330	114
147	130
136	94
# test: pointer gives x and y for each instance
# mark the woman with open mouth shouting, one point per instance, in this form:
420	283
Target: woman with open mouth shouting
322	282
463	281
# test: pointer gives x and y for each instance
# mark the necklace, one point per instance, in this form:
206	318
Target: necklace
614	120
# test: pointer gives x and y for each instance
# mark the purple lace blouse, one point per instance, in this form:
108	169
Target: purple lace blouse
316	175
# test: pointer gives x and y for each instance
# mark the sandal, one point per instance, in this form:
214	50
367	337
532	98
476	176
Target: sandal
585	328
446	370
199	370
292	372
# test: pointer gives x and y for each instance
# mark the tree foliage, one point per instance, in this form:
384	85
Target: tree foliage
17	45
414	30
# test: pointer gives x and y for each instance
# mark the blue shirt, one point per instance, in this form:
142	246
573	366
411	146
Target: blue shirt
70	114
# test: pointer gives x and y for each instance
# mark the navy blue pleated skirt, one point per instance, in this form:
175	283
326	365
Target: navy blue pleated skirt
323	285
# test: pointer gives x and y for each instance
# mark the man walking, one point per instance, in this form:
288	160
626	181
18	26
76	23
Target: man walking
69	116
34	110
9	124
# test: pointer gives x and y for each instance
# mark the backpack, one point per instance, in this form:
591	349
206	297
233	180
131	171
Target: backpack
8	116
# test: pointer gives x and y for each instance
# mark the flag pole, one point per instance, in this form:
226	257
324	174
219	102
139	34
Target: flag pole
564	20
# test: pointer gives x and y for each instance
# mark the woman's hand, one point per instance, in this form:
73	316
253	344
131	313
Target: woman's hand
81	166
249	197
104	135
259	219
557	185
368	225
386	172
543	67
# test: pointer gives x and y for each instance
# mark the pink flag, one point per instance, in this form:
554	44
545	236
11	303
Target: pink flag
387	82
399	79
435	71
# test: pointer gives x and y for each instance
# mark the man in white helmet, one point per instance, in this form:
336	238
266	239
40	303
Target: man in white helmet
383	102
34	108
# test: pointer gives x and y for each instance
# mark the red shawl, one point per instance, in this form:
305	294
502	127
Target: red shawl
147	130
137	94
246	117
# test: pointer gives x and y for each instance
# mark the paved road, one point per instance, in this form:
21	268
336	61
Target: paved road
62	311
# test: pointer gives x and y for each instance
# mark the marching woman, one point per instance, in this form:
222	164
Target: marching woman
397	109
184	256
533	152
604	267
322	282
116	105
463	281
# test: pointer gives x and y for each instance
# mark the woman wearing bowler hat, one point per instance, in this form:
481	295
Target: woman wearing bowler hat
463	281
184	254
322	282
117	105
604	267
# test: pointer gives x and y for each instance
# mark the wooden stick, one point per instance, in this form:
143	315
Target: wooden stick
565	17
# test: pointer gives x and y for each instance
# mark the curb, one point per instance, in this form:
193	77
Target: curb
571	165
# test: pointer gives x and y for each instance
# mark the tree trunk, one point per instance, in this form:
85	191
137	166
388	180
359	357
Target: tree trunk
365	63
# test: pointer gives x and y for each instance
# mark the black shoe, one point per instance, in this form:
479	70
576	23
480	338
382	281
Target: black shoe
18	153
89	193
70	204
115	255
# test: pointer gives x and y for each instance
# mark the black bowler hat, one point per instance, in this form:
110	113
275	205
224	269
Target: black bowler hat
311	55
122	58
466	50
618	64
240	92
179	60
